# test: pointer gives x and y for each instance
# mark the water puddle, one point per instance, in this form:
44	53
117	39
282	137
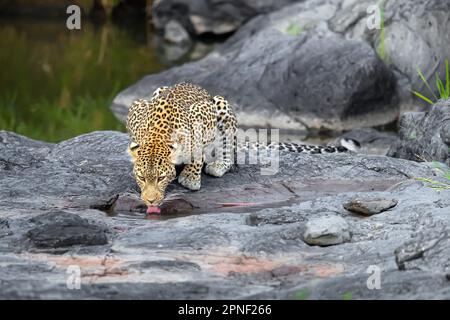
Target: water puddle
241	199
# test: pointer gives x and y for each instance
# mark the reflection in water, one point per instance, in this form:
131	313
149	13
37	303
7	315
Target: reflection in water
56	83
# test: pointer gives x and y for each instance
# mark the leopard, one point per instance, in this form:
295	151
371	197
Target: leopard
175	127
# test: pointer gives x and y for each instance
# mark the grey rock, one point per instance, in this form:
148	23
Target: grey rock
409	26
326	231
19	153
171	53
370	141
209	16
175	53
250	73
425	253
175	33
60	229
370	206
52	193
425	136
311	65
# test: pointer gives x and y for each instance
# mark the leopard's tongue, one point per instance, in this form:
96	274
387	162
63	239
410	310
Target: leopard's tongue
153	209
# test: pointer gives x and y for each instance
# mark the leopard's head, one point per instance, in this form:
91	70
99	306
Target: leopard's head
154	169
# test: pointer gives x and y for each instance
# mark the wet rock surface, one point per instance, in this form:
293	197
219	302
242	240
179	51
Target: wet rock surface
75	204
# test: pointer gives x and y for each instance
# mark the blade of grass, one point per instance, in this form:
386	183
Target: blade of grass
424	80
434	184
447	77
421	96
440	86
447	175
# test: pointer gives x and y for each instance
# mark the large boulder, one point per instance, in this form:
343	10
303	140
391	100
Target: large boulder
425	136
316	79
317	65
71	208
414	34
211	16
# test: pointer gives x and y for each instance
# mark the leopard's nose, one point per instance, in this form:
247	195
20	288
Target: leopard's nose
149	200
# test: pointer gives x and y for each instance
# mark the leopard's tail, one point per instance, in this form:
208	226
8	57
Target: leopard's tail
346	146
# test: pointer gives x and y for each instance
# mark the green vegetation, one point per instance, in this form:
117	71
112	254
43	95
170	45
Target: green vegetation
293	29
46	120
437	185
381	48
302	294
57	83
347	296
442	87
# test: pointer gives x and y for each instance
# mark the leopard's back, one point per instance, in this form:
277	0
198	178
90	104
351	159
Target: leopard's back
170	108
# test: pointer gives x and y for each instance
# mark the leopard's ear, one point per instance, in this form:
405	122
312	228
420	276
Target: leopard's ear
132	150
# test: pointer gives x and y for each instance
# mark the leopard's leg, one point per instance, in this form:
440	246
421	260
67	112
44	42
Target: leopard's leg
191	176
227	127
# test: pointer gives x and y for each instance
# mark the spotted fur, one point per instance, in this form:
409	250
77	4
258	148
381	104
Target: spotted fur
299	148
175	127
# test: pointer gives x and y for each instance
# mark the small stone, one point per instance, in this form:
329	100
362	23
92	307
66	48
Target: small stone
370	206
326	231
174	32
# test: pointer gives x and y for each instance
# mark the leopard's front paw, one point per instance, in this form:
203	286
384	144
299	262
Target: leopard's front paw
189	182
217	169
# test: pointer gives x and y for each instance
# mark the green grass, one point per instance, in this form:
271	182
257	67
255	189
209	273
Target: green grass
437	185
302	294
347	296
57	83
49	121
381	46
443	86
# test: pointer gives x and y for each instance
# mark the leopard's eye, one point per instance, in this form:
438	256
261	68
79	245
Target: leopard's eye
140	177
161	178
